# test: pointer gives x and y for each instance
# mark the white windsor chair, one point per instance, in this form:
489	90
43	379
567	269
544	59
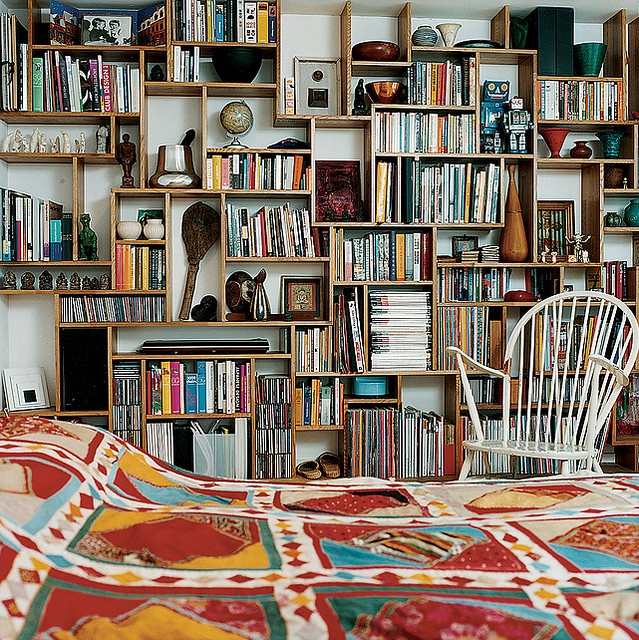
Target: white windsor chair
566	361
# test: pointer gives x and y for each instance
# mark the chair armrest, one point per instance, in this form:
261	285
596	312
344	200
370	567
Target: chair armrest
611	367
471	362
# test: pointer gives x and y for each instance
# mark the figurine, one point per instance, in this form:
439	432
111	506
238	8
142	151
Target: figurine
18	141
45	281
66	143
61	281
42	143
157	73
102	136
105	282
360	108
126	156
34	140
579	240
7	142
516	122
9	281
83	143
95	283
27	281
74	282
495	95
87	239
260	308
86	283
55	144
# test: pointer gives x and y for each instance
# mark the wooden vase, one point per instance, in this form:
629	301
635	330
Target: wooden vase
513	246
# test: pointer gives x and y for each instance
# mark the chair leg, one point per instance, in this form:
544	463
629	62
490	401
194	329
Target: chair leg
513	466
468	462
489	471
565	467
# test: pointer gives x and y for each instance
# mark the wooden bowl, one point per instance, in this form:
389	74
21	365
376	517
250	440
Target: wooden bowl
376	51
385	91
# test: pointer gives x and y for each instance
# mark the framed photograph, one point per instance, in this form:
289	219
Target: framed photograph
338	191
107	29
25	388
317	87
464	243
555	223
301	297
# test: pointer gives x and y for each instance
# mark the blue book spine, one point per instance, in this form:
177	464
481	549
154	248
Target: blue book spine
201	386
55	240
190	390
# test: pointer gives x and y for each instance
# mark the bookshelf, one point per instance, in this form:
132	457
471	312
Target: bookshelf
426	183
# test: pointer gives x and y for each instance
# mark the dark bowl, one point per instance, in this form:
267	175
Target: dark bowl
237	64
385	91
376	51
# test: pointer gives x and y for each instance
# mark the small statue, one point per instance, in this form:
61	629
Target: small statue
206	310
157	73
18	141
360	108
95	283
83	143
55	144
7	143
102	136
579	240
34	140
45	281
61	282
87	239
105	282
9	281
74	281
27	281
42	143
86	283
66	142
126	156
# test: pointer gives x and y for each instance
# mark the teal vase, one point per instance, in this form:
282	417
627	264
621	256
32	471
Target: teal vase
589	57
631	213
610	143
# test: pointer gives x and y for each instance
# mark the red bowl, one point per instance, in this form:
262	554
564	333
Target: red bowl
518	296
376	51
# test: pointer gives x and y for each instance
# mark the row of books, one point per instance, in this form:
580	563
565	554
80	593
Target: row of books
198	387
140	267
349	342
319	402
108	308
225	21
127	383
314	349
186	64
463	327
614	278
580	99
126	424
64	83
448	83
14	58
257	171
34	229
472	284
384	256
449	192
400	330
272	231
424	132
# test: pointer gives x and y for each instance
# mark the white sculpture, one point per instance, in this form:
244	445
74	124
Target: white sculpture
34	140
7	142
66	144
55	144
42	143
81	144
102	136
18	141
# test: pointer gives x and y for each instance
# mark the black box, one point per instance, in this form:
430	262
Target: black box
551	30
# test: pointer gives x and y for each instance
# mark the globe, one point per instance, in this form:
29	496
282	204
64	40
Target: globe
237	119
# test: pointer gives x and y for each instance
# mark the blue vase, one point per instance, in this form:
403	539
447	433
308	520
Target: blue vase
631	213
610	143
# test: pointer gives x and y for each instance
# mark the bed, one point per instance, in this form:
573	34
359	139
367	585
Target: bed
100	541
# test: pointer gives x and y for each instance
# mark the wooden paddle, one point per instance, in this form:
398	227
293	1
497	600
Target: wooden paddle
200	231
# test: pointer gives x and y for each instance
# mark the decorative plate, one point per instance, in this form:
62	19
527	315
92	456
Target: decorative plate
480	44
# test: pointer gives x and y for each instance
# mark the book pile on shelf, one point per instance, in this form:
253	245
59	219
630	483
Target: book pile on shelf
222	451
489	253
259	171
127	401
273	428
186	64
421	132
224	21
469	256
273	231
463	327
64	83
381	256
472	284
14	57
449	83
400	330
108	308
319	402
34	229
614	276
314	349
580	99
159	440
448	192
198	387
140	267
349	342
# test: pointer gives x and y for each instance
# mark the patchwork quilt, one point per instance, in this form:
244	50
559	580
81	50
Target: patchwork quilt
100	541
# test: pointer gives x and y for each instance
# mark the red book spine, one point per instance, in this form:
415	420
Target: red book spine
175	386
106	87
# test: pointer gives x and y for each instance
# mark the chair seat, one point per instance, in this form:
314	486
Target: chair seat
529	449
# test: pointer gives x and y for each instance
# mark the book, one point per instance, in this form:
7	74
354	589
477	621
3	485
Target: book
262	21
272	21
37	84
190	391
67	235
175	381
250	21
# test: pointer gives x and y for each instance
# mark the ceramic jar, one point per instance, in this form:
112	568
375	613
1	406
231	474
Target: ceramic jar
424	36
153	229
631	213
129	230
449	32
581	150
613	219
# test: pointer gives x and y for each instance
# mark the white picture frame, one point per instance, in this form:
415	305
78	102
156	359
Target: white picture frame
25	388
317	87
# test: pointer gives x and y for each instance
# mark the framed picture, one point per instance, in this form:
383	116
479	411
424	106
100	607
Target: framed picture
106	29
25	388
464	243
338	191
150	214
317	87
301	297
555	223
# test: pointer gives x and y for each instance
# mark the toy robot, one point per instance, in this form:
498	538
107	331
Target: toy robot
492	113
516	122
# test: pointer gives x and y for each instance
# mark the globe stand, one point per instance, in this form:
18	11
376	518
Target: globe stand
236	118
235	142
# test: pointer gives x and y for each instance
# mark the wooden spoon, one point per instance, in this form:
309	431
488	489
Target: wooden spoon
200	231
